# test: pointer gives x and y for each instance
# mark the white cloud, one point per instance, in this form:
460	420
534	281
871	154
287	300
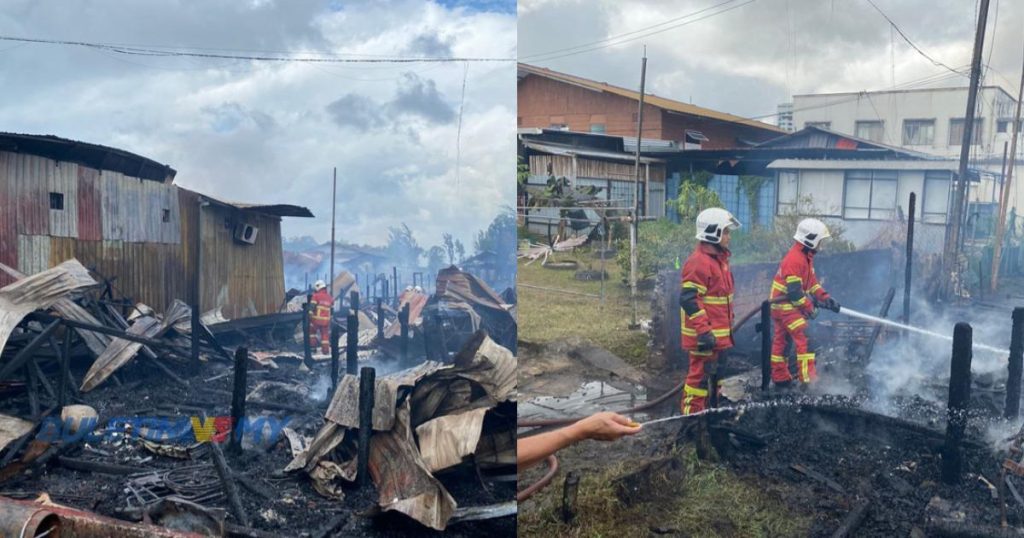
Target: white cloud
270	132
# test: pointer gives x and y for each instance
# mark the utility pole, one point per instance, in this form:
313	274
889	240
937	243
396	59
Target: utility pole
334	208
951	250
634	229
997	250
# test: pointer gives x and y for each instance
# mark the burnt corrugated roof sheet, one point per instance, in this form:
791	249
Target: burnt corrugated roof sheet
92	155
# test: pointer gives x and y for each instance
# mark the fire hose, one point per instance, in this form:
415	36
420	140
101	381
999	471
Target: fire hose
540	484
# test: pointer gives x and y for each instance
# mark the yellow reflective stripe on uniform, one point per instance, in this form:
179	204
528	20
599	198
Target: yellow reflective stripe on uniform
783	306
778	286
801	302
693	285
794	278
694	391
778	358
688	331
797	324
719	333
701	353
698	314
805	357
716	300
814	288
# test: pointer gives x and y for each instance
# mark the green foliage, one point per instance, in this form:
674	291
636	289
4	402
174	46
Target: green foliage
750	186
659	244
694	198
435	259
449	247
522	171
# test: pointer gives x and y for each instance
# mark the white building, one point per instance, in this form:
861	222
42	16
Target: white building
785	117
925	120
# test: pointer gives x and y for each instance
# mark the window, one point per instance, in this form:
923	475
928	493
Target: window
870	130
918	132
559	126
956	132
789	192
57	200
870	194
819	124
1002	125
165	216
597	128
936	197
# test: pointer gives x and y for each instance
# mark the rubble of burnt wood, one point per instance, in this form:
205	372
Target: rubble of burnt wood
109	426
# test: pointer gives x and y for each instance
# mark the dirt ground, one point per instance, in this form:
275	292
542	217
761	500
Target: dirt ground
288	505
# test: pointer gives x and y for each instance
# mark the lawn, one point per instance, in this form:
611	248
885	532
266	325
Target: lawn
547	315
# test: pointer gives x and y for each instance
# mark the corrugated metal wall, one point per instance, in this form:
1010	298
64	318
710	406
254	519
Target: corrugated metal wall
137	231
243	279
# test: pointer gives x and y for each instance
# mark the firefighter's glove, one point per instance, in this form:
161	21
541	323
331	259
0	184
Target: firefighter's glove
813	313
706	342
831	304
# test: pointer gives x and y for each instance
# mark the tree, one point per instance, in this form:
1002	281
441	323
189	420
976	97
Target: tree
460	250
449	247
402	247
435	259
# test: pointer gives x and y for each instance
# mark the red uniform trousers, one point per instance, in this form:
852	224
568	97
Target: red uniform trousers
793	325
321	332
695	391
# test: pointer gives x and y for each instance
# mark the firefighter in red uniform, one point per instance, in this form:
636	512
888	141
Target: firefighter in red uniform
705	302
791	306
320	317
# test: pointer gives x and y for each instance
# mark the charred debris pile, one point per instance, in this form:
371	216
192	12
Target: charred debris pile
116	420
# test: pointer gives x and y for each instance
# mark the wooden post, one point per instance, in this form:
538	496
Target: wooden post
352	347
306	347
1016	364
765	326
65	373
394	279
334	355
959	397
569	491
228	481
1004	199
403	319
354	301
910	259
238	399
32	385
367	379
380	319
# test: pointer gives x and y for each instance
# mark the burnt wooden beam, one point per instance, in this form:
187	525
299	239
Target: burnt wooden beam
26	352
226	479
78	464
352	349
853	520
959	397
367	381
238	399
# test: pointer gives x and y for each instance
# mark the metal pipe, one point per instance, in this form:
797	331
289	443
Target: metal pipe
27	520
1016	364
910	259
367	378
959	396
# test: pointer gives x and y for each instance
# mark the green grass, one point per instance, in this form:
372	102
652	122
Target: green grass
546	316
709	502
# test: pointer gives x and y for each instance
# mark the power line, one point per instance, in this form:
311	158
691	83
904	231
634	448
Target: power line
614	37
911	43
609	42
158	52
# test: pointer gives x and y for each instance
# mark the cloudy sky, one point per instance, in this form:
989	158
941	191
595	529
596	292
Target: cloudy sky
272	131
751	58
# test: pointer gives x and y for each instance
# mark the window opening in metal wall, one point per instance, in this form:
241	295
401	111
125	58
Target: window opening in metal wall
166	215
57	200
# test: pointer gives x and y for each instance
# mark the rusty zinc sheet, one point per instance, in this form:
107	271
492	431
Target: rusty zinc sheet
30	195
120	351
133	210
403	480
12	428
8	216
444	441
90	223
62	182
343	413
68	309
39	291
416	302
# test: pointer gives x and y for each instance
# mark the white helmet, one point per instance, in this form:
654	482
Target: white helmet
320	284
810	232
712	222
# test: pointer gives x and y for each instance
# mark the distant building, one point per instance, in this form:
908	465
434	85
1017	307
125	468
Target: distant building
925	120
551	100
121	215
785	117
